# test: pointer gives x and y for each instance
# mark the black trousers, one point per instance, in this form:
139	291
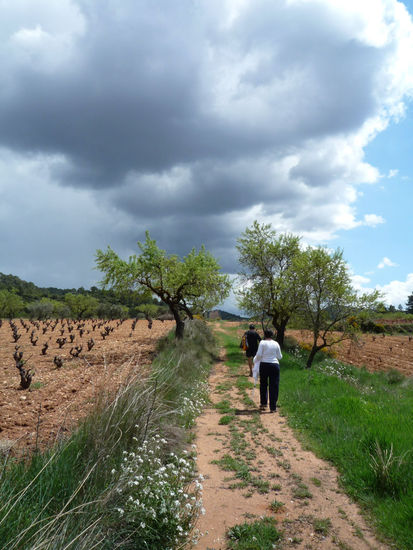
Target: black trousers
269	383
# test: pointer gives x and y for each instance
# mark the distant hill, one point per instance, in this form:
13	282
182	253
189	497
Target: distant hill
225	316
29	293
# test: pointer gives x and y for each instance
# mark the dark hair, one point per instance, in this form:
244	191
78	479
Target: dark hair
268	334
252	326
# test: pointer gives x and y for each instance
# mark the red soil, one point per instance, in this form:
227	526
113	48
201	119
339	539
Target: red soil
58	398
375	352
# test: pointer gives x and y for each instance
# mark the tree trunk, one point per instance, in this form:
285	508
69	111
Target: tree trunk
280	328
310	359
180	325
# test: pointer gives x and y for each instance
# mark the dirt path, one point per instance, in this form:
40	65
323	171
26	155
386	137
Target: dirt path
268	473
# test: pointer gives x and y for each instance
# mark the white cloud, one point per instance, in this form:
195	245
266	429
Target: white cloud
358	281
372	220
393	293
396	292
386	262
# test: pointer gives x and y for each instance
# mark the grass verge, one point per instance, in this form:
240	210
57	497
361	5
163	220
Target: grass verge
362	422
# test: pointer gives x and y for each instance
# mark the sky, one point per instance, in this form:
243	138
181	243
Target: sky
193	118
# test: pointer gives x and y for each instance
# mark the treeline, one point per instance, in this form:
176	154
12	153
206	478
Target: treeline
22	298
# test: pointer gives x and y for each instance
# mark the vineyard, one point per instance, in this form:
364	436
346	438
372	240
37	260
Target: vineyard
65	364
52	371
376	352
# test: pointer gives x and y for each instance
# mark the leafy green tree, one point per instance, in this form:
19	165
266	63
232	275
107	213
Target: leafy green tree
149	310
329	301
269	282
11	304
81	306
409	304
188	285
41	309
106	310
381	308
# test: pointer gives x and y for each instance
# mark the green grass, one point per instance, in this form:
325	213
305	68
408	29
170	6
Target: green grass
235	356
258	535
322	526
276	505
226	419
301	491
230	464
224	406
361	422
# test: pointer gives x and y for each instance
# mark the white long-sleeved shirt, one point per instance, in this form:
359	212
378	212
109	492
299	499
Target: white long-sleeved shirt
269	351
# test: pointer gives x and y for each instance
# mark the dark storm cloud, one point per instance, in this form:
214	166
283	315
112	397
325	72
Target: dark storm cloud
191	118
212	188
136	94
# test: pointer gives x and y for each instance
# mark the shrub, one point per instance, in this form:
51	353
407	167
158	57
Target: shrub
290	343
389	470
393	376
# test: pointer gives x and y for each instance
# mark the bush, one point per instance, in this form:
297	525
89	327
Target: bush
389	470
290	343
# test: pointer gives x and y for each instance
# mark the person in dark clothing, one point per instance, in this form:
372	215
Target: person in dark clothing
253	339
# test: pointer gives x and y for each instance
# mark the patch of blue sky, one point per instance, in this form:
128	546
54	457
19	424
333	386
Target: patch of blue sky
392	199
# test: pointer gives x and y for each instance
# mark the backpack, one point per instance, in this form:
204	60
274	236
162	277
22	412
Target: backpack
244	342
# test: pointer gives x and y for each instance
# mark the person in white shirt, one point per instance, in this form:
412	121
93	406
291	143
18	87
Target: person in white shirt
266	364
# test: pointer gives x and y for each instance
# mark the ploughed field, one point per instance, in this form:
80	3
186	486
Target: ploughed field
376	352
95	355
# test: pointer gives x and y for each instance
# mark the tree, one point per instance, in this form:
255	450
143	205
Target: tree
329	302
106	310
188	285
409	304
81	305
10	304
41	309
269	282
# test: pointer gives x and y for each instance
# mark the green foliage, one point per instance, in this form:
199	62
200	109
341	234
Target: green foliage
81	306
11	304
47	309
259	535
280	281
106	310
226	419
409	304
329	301
322	526
268	279
37	299
151	310
276	505
388	469
187	286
